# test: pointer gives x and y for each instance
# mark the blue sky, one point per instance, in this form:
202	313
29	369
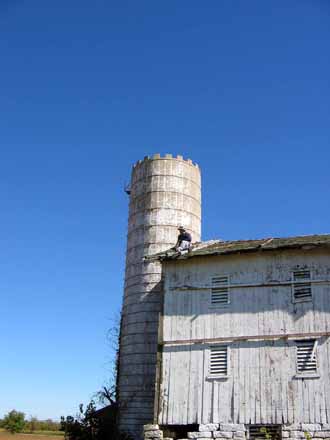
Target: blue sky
87	88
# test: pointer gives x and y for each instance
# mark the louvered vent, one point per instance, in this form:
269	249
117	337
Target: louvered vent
219	360
219	291
265	431
302	287
306	356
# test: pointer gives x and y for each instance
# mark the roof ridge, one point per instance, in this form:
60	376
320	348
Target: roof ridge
288	237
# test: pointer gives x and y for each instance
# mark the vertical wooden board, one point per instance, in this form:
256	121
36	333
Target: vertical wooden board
207	389
195	316
215	401
220	402
269	352
206	384
172	387
244	365
200	383
326	369
271	327
285	377
189	355
326	415
253	365
318	400
323	413
262	384
314	401
198	362
179	315
174	315
167	315
257	385
224	401
306	389
256	354
278	403
193	387
233	371
191	297
322	356
317	306
251	395
235	358
301	401
199	318
268	404
166	356
189	384
232	319
185	315
281	365
309	388
170	316
324	359
290	404
261	372
181	390
164	388
247	372
207	324
177	396
275	356
284	389
241	382
293	386
168	333
179	327
237	304
245	300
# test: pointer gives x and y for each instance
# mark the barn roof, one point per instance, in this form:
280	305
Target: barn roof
220	247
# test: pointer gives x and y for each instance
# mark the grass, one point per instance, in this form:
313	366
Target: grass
37	435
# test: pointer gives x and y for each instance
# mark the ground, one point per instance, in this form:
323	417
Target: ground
47	435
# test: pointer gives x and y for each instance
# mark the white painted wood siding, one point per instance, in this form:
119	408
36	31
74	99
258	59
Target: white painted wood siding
262	386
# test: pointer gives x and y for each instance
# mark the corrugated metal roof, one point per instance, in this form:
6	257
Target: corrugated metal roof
219	247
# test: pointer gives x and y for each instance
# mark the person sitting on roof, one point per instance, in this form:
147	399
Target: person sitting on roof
184	240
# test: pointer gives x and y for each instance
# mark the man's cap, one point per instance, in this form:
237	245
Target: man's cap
181	228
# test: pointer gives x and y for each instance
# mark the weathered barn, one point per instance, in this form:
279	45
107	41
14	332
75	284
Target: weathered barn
240	346
245	335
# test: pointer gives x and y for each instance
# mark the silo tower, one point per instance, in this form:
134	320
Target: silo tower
165	192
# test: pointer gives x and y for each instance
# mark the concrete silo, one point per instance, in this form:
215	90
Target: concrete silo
165	192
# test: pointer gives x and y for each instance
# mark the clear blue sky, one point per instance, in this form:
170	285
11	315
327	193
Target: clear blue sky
89	87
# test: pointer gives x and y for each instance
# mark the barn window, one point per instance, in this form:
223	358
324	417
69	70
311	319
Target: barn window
218	361
301	285
306	356
220	291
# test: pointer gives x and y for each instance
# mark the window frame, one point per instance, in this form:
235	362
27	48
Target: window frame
221	305
301	374
294	283
211	376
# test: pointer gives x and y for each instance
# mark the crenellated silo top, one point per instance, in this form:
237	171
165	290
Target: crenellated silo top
166	165
157	156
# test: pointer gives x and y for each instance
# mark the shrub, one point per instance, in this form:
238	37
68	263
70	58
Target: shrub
89	424
14	421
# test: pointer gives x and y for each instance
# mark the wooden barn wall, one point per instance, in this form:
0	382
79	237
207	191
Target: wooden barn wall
261	387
